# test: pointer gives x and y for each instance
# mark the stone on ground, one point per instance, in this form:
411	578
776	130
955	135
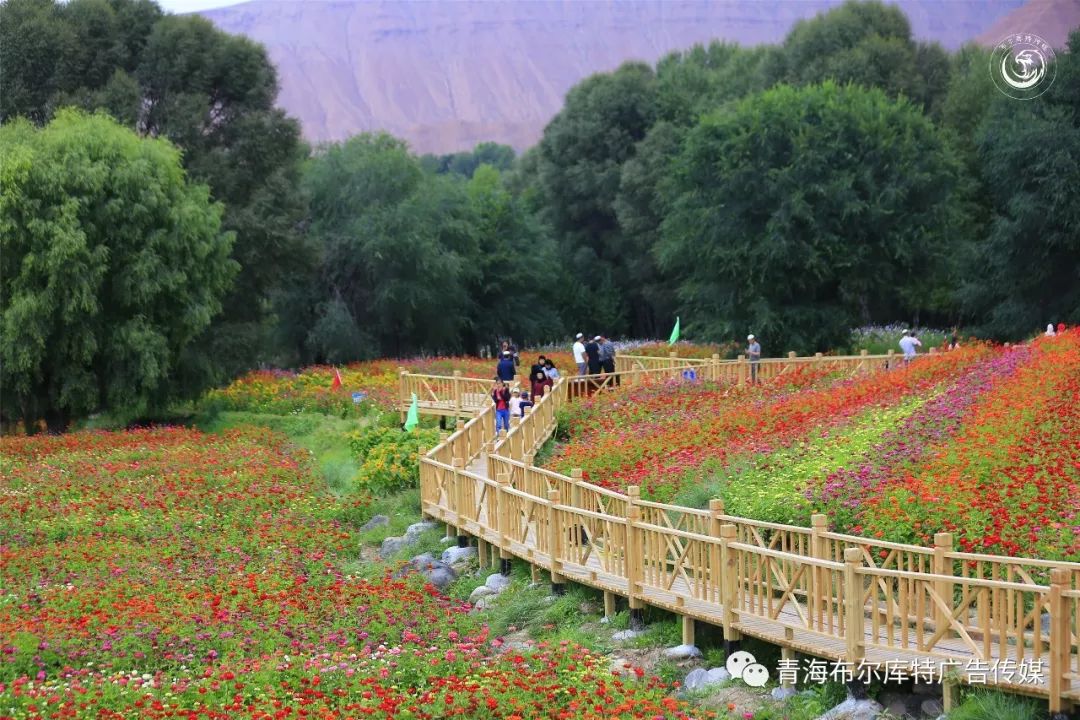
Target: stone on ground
852	709
377	521
454	555
682	652
497	582
701	677
622	635
783	693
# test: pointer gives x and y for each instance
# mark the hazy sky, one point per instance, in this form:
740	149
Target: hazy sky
179	6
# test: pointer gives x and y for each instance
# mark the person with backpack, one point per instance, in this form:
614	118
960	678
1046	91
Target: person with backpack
505	369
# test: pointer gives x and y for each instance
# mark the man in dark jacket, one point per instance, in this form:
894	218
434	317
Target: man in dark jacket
505	369
592	352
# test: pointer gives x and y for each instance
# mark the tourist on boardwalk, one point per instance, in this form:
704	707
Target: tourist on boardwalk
500	395
579	354
607	354
592	354
753	350
526	402
505	369
1061	328
1050	330
538	378
515	403
908	343
551	371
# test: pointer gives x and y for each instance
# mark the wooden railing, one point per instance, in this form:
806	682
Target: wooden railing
843	597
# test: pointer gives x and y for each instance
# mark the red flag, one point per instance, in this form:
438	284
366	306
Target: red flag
337	380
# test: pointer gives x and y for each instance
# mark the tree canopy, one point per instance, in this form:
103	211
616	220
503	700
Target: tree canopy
112	264
800	213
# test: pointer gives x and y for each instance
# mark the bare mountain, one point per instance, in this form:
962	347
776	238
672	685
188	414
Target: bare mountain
1049	19
447	74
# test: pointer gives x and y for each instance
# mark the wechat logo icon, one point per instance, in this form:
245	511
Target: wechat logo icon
744	666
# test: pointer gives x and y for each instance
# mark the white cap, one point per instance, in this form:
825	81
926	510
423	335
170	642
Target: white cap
907	332
506	352
579	336
596	338
749	337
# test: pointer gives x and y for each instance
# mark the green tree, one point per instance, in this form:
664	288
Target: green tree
580	163
798	213
396	244
516	259
867	43
1025	272
112	264
210	93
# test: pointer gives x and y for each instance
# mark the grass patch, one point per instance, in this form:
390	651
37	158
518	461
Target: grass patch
992	705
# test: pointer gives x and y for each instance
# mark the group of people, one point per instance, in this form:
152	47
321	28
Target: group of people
594	356
513	403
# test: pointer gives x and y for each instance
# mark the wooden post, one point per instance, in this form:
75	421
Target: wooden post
742	370
1060	641
889	359
503	479
729	582
457	396
819	550
950	692
716	575
787	655
555	545
529	458
715	367
634	557
459	501
482	552
862	363
853	607
943	543
403	391
687	630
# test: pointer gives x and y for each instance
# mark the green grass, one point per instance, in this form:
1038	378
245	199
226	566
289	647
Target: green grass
992	705
325	436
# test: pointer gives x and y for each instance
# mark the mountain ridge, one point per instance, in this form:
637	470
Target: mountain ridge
447	75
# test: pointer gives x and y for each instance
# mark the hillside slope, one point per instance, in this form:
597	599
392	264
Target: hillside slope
446	75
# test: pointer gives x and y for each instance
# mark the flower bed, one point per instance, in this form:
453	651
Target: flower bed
169	573
311	390
984	443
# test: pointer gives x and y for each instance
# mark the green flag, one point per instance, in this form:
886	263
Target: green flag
413	418
674	333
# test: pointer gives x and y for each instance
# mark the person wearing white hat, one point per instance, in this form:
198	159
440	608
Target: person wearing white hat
908	343
579	353
592	355
753	350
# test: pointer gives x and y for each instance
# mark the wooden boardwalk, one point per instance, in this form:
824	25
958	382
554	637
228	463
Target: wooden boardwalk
1007	622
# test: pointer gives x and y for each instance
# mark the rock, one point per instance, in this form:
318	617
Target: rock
497	582
484	602
619	666
695	679
454	555
393	545
852	709
623	635
377	521
896	708
417	529
435	572
783	693
482	591
682	652
718	675
605	620
932	708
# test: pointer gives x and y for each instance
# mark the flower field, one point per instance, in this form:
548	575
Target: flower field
311	390
169	573
980	441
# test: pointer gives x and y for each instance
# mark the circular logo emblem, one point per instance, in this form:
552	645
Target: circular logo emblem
1023	66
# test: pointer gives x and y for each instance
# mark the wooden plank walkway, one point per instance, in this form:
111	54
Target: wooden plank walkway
842	598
